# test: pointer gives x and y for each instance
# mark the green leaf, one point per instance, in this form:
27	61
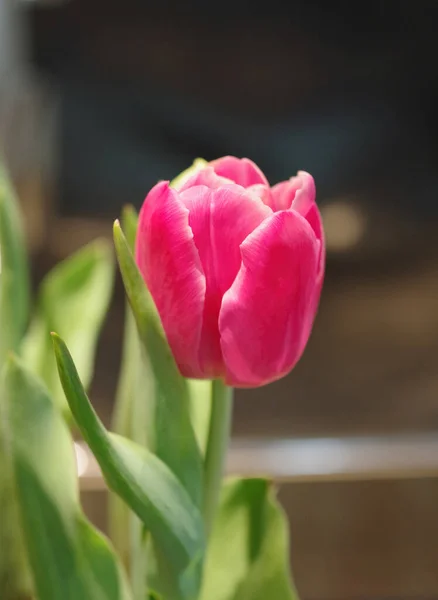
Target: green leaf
135	386
248	556
146	484
198	164
134	390
130	224
70	560
130	420
15	579
14	281
73	300
170	433
14	305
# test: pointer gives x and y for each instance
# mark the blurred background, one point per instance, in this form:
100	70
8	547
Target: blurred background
100	99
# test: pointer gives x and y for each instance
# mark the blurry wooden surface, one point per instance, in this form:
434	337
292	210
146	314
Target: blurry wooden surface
364	540
351	541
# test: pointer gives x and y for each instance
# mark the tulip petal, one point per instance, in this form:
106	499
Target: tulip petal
220	219
305	195
267	314
263	192
297	193
283	193
240	170
304	203
205	176
169	262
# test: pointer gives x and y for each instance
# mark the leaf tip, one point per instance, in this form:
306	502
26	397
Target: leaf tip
117	233
57	341
128	210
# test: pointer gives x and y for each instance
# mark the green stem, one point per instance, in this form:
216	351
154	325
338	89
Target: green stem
217	446
139	557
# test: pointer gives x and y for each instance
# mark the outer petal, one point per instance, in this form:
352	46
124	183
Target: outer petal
304	203
220	219
299	194
169	262
240	170
267	314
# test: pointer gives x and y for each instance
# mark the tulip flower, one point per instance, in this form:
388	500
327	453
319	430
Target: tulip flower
235	268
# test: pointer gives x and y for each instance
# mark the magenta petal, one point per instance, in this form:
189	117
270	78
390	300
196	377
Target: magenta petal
304	203
263	192
240	170
305	196
283	193
169	262
205	176
297	193
220	219
267	314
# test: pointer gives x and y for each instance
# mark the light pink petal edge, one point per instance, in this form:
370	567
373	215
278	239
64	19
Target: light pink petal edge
205	176
242	171
305	195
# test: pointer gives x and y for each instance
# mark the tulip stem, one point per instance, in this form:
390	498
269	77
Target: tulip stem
217	446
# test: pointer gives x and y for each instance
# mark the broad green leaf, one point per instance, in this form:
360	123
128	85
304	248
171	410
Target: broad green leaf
248	556
135	386
15	579
14	304
134	390
198	164
73	300
170	433
130	420
146	484
14	281
131	417
70	560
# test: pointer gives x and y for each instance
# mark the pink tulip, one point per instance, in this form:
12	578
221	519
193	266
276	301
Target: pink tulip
235	268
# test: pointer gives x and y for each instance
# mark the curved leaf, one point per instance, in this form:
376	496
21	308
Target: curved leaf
14	278
198	164
73	300
134	391
70	560
170	434
248	556
14	306
145	483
